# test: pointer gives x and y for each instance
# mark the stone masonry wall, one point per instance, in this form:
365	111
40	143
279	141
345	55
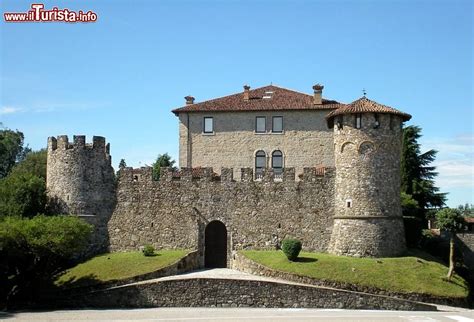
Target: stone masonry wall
174	211
465	242
306	140
368	216
81	181
244	264
209	292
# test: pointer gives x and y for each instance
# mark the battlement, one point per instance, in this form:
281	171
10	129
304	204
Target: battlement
145	174
62	143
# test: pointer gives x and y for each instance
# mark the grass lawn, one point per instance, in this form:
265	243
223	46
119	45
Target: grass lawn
117	266
409	274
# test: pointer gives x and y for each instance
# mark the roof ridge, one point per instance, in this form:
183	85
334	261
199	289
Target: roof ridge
288	89
366	105
221	97
287	98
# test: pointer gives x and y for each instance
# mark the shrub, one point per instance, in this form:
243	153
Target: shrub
291	248
33	251
148	250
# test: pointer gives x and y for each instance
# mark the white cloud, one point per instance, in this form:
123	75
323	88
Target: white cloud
455	174
9	110
45	107
454	161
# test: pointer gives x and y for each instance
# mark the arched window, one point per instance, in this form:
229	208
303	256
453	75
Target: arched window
277	161
260	163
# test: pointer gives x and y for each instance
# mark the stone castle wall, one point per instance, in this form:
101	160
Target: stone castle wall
350	209
81	181
174	211
213	292
306	140
368	216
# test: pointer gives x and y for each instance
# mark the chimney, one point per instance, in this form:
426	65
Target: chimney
318	94
246	92
189	100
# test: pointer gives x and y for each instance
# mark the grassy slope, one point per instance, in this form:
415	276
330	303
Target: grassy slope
401	274
117	266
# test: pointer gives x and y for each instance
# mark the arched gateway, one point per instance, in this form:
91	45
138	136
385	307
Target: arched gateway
215	245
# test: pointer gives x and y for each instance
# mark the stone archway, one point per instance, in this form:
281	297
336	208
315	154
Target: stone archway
215	245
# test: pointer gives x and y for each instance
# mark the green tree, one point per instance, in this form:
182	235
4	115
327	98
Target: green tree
11	149
410	206
23	191
34	163
451	221
417	175
467	209
34	250
122	164
163	160
22	194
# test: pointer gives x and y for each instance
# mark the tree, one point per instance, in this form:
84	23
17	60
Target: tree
34	250
22	194
417	176
163	160
34	163
410	206
467	210
451	221
23	191
122	164
11	150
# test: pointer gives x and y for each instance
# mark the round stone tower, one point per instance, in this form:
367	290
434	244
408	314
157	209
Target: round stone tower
368	218
80	181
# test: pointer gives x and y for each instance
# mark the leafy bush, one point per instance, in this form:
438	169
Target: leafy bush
291	248
34	250
148	250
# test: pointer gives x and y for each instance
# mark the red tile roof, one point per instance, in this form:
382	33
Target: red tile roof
281	99
469	220
364	105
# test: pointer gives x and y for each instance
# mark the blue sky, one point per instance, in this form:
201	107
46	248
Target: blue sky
120	76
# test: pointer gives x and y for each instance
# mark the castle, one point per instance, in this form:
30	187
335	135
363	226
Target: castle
257	167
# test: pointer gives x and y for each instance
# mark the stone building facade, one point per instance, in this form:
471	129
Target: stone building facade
336	185
245	123
305	141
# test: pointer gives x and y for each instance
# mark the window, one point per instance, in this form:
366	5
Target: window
376	121
260	124
358	121
339	122
277	161
208	125
277	124
349	203
260	163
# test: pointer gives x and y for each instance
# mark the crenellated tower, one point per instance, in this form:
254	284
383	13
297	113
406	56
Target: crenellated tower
367	142
81	181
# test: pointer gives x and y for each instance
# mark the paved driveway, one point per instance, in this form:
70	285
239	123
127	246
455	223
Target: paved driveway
239	314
